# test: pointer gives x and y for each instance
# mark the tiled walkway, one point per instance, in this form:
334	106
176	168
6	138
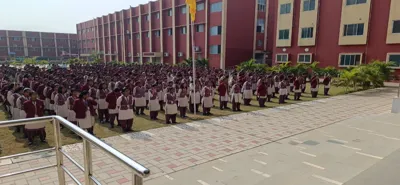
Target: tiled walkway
170	149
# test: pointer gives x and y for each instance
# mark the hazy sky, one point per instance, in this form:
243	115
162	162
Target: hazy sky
56	15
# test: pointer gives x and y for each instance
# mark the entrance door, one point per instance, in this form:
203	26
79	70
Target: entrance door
260	58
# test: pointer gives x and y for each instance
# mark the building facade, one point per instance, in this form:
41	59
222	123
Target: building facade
340	33
36	44
224	32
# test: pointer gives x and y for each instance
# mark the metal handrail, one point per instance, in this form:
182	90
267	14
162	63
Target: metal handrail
139	171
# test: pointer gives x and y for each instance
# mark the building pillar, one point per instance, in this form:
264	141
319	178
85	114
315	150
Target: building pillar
109	37
25	43
161	32
104	40
150	32
116	36
223	38
123	36
173	33
255	29
140	35
55	44
41	44
8	43
69	44
206	28
131	32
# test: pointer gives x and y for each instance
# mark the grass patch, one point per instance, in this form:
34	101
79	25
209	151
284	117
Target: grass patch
13	143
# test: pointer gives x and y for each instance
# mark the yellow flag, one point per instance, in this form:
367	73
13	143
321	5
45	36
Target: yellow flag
192	9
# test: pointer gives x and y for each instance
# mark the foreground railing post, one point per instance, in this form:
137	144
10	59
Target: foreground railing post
59	155
137	180
87	159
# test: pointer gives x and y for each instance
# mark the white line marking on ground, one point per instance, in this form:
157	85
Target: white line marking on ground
263	153
380	135
215	168
260	162
148	133
369	155
260	173
193	125
305	153
328	135
295	138
223	160
177	127
313	165
338	140
168	177
301	147
386	123
297	141
328	180
256	171
202	182
351	147
323	132
360	129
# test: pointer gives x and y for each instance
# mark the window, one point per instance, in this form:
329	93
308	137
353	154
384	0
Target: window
157	33
158	15
354	2
146	17
309	5
304	58
350	59
286	8
216	7
260	25
183	9
281	58
129	37
137	19
259	43
92	29
169	12
16	38
93	39
148	34
216	30
395	58
396	26
169	31
200	28
261	5
353	29
307	33
283	34
200	6
183	30
215	49
138	36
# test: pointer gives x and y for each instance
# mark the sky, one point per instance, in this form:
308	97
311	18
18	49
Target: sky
56	15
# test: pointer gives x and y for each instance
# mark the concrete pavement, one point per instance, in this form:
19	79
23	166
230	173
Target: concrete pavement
247	148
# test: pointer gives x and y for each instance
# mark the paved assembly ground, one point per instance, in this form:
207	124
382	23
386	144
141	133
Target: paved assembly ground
340	140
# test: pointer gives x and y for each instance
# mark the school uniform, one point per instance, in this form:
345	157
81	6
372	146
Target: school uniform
35	109
125	112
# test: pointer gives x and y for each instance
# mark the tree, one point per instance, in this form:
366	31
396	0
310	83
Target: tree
252	66
95	57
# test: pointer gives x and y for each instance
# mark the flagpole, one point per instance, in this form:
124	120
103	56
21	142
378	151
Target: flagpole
194	68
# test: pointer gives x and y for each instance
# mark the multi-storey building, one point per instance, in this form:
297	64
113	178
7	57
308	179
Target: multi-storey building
224	32
36	44
337	33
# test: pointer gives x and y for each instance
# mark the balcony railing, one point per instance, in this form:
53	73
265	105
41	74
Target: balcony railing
139	171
